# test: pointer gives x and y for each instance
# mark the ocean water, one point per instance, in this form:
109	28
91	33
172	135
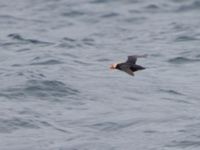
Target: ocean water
58	93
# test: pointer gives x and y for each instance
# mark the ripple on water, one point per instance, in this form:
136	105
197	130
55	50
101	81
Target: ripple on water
136	20
73	13
48	88
10	19
112	126
9	125
69	39
110	15
195	5
100	1
68	42
88	41
185	144
16	123
185	38
89	146
182	60
40	89
18	37
47	62
170	91
152	8
103	60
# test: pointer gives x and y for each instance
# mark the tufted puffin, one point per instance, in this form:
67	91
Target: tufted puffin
130	65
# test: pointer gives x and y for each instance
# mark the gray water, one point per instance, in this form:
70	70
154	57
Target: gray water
57	92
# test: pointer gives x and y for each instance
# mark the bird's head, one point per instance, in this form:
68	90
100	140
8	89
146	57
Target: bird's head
113	66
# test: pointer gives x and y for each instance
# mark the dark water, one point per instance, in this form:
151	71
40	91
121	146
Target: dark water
57	92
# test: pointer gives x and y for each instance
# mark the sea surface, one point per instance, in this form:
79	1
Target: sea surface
58	93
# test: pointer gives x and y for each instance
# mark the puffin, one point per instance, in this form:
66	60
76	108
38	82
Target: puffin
130	65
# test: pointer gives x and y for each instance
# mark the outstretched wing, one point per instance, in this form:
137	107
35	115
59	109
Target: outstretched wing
129	72
132	59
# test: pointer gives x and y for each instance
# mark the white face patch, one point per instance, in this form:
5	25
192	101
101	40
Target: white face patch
114	65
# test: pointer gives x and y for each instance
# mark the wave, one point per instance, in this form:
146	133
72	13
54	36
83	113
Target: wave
68	42
69	39
41	89
18	37
198	56
100	1
88	41
152	8
16	123
185	38
189	7
48	62
73	13
9	125
182	60
171	92
48	88
103	60
185	144
111	126
110	15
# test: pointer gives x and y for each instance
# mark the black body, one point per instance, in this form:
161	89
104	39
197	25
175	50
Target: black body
130	65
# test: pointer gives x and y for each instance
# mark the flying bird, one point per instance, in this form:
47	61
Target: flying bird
130	65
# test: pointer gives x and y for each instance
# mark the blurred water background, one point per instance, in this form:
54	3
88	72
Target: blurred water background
57	92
